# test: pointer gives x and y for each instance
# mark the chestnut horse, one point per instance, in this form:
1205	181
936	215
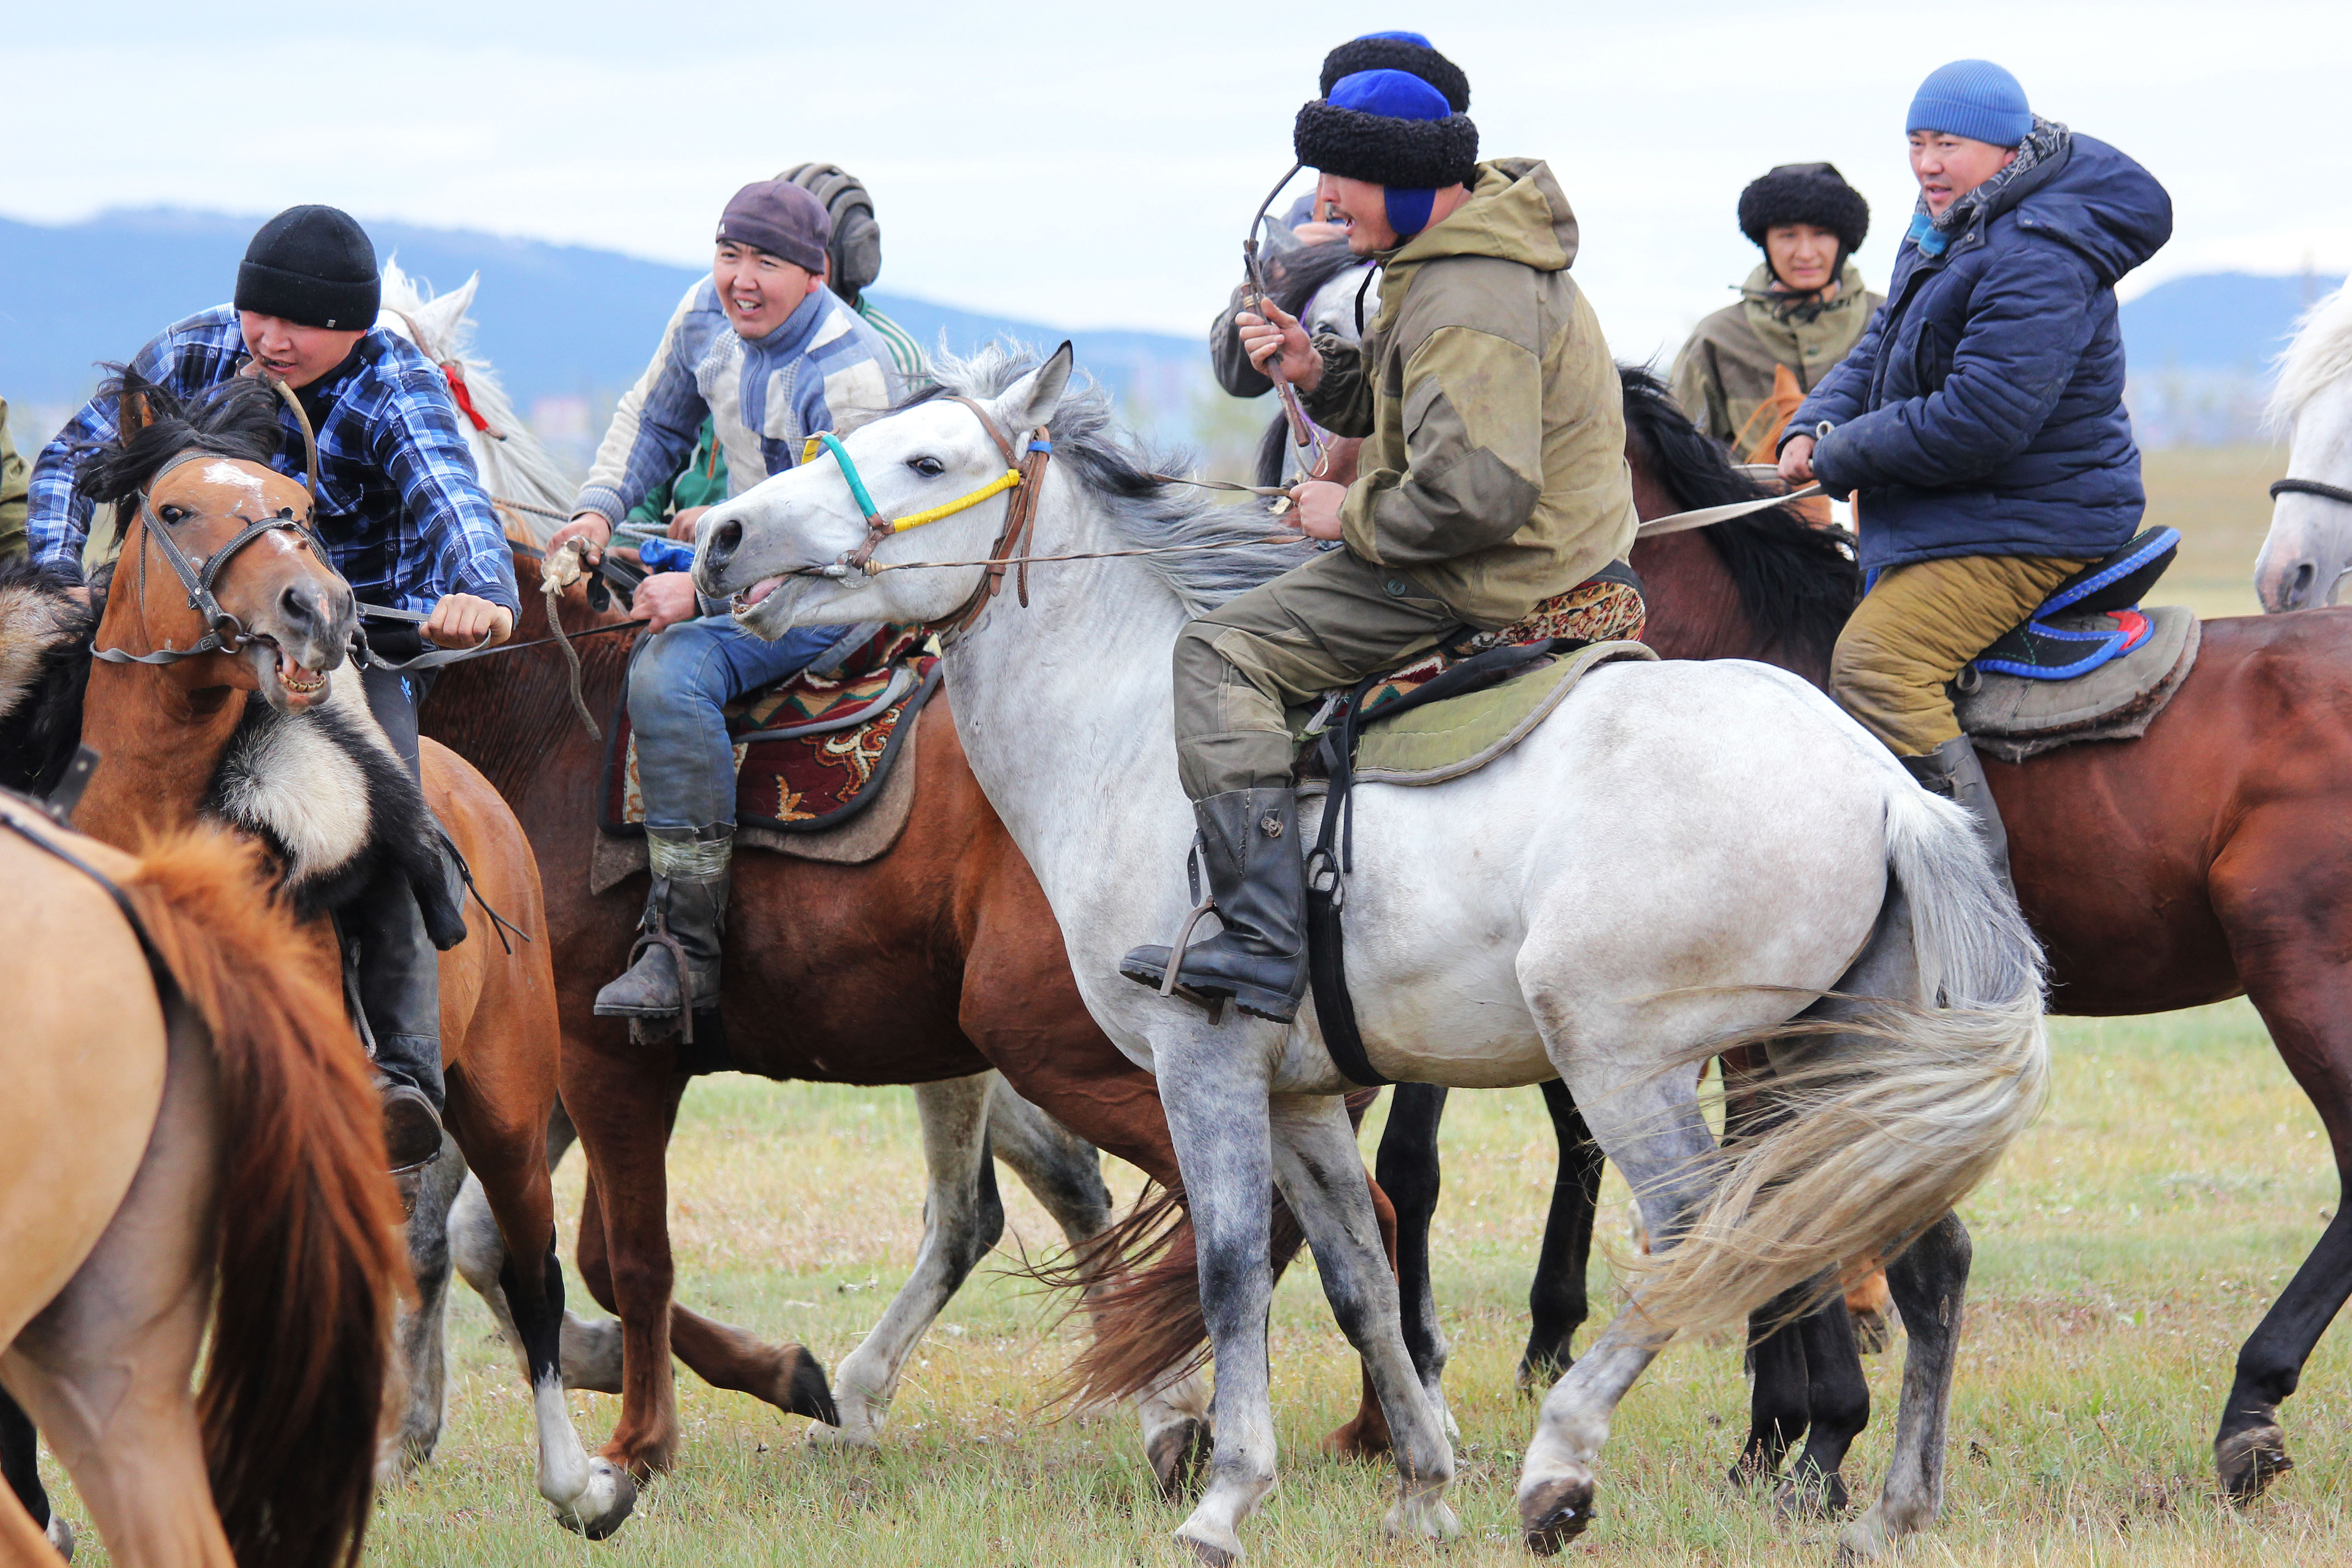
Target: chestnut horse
162	730
186	1152
2208	859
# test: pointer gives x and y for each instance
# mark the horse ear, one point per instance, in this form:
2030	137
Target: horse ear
1030	401
133	413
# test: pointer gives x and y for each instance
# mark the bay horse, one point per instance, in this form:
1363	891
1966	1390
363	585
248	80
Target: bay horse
2208	859
166	731
188	1154
1479	956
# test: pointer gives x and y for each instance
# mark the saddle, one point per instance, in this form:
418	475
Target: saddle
2089	665
812	750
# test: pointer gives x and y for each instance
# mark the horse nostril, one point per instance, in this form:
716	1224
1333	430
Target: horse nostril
2299	589
296	606
724	540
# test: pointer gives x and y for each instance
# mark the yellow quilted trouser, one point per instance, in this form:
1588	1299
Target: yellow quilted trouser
1918	627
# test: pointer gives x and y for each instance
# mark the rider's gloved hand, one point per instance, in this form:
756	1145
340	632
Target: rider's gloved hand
460	620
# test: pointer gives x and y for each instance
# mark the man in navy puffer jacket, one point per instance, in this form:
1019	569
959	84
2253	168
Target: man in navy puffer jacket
1980	422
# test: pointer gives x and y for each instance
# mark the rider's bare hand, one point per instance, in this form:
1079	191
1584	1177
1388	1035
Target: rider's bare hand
461	620
665	599
587	525
1318	501
683	525
1797	461
1262	337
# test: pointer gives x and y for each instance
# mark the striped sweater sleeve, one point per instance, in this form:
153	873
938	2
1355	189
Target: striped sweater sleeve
654	428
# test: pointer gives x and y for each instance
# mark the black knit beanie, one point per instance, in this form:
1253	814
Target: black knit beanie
1813	194
854	254
312	266
1407	52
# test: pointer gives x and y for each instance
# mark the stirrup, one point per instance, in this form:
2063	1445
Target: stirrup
659	937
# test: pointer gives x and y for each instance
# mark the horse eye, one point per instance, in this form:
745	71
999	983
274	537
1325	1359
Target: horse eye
174	513
930	468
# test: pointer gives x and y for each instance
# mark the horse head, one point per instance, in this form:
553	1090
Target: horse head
194	478
925	468
2309	548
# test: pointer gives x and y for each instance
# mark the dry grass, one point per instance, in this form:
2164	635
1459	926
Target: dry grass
2219	498
2123	1252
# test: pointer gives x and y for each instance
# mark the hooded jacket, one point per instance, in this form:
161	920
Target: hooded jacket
1725	372
1982	412
1492	469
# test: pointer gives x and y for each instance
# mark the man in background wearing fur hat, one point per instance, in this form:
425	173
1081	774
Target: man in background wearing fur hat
1748	366
1492	477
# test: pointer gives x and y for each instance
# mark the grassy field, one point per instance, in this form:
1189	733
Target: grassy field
2219	499
2123	1251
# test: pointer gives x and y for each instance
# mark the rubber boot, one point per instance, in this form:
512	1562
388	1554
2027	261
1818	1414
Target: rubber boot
688	901
1954	771
398	978
1257	879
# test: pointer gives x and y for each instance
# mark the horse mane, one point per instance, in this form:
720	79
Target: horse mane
2320	355
514	464
45	642
1796	581
1148	511
238	419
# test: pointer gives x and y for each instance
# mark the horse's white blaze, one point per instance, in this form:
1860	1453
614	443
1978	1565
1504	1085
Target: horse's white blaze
1683	850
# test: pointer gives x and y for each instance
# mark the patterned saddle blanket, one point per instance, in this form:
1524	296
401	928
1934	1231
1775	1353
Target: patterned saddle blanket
1501	686
810	752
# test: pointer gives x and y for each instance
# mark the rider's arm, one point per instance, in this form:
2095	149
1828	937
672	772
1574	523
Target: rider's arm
1342	401
654	428
2029	322
1472	409
418	442
1842	394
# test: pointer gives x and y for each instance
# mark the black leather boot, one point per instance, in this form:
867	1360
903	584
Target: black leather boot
689	901
1954	771
1257	876
398	977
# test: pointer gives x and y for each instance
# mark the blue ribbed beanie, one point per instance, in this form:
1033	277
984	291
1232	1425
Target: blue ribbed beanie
1975	98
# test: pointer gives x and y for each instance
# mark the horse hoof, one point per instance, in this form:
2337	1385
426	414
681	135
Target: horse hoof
1360	1439
1537	1374
1555	1513
61	1536
1421	1519
1208	1551
1178	1455
1871	1333
1812	1496
803	1391
611	1496
2249	1460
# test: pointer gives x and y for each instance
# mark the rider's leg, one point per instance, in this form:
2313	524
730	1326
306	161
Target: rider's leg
399	971
686	769
1917	628
1324	624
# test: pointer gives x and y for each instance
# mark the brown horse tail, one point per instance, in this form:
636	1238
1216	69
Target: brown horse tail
308	1257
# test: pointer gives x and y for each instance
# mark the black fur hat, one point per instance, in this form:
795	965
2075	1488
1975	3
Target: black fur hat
1388	127
1408	52
1814	194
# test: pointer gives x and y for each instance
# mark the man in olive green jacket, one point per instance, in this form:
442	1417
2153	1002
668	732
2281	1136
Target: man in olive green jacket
1492	477
1802	308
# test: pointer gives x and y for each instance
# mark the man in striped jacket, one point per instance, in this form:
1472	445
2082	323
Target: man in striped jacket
770	355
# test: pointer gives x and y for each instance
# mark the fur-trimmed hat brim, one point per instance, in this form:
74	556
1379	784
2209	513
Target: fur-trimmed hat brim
1409	154
1812	194
1376	53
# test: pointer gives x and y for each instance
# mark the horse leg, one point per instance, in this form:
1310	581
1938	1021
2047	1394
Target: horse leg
1408	1171
1317	1166
1837	1407
962	1218
1557	1305
420	1328
1062	1171
105	1368
1929	1283
509	1154
1219	1117
591	1346
1651	1126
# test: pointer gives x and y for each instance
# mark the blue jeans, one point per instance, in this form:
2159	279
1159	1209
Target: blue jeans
678	683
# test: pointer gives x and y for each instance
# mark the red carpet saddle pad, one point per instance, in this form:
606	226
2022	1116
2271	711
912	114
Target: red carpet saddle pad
810	752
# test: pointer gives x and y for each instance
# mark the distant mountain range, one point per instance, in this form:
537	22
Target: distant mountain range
556	321
570	323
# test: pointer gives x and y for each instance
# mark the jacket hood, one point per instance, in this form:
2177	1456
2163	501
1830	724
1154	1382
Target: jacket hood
2103	206
1516	212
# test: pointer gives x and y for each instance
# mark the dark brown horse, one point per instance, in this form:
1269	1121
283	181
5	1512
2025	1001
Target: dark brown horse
937	960
2210	859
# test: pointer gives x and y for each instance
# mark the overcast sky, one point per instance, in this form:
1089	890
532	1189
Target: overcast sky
1095	165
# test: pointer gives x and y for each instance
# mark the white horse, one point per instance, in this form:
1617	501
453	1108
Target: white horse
1684	854
2309	548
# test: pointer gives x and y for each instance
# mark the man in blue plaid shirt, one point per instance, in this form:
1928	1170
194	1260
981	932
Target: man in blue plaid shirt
403	518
